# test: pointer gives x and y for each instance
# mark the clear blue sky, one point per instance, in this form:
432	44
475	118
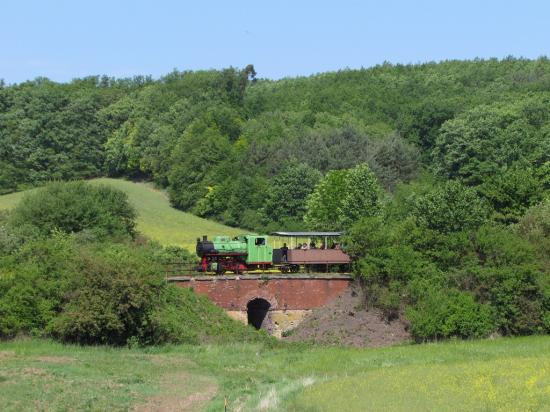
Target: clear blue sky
67	39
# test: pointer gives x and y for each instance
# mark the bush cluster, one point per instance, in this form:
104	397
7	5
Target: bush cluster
74	207
436	256
82	282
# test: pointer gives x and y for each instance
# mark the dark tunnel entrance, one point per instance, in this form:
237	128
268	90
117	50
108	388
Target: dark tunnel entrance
257	310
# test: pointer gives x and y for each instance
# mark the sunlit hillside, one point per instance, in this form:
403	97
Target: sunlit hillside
156	218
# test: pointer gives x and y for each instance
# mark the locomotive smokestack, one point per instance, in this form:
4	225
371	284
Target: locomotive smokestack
204	238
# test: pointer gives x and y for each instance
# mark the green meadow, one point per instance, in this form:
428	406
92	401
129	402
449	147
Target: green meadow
156	218
511	374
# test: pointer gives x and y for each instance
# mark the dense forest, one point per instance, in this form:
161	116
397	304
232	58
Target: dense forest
438	172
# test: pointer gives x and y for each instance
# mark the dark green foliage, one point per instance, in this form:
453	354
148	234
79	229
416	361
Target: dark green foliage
512	192
503	270
51	131
441	314
450	207
194	157
75	207
394	160
285	200
487	140
534	226
199	133
421	122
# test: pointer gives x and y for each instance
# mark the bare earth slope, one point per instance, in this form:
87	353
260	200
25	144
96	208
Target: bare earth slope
346	321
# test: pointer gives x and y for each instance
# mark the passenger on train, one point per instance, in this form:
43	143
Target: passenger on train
284	251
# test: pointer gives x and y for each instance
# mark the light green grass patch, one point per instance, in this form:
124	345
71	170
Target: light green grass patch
156	218
495	385
40	375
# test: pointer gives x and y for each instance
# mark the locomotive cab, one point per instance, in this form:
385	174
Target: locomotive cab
259	251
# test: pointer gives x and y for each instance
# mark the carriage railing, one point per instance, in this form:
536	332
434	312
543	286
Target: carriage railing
182	268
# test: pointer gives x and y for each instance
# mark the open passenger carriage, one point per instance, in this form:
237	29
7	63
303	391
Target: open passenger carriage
320	252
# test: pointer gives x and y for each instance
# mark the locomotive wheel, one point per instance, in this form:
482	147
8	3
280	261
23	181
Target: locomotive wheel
295	268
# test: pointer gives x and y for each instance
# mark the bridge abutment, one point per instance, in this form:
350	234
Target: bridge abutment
286	299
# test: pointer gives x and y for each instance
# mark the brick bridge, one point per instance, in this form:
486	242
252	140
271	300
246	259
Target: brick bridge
276	303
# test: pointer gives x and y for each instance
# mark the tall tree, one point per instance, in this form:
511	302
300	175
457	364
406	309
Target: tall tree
344	197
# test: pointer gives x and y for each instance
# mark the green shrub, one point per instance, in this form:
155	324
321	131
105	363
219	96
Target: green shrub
442	314
387	299
111	298
33	283
515	294
75	207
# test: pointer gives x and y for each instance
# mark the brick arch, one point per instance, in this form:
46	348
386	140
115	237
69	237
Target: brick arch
258	294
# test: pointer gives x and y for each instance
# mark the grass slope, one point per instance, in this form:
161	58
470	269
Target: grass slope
503	374
156	218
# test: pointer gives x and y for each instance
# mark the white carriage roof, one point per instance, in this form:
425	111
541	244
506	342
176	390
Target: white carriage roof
307	234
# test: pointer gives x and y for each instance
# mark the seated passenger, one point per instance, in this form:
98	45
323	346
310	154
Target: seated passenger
298	246
305	246
312	245
337	246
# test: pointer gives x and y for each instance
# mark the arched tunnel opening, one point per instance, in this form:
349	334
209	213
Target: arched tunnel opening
257	310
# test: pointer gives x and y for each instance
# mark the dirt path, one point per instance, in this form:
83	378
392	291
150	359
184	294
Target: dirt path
180	391
176	397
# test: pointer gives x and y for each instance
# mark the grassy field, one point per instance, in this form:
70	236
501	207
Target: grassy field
45	376
491	375
156	218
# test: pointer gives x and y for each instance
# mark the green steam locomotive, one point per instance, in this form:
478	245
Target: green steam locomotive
246	253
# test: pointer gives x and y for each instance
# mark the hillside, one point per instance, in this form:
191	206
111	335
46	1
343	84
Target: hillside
439	173
156	218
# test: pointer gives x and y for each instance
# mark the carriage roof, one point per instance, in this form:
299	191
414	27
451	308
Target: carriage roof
307	234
